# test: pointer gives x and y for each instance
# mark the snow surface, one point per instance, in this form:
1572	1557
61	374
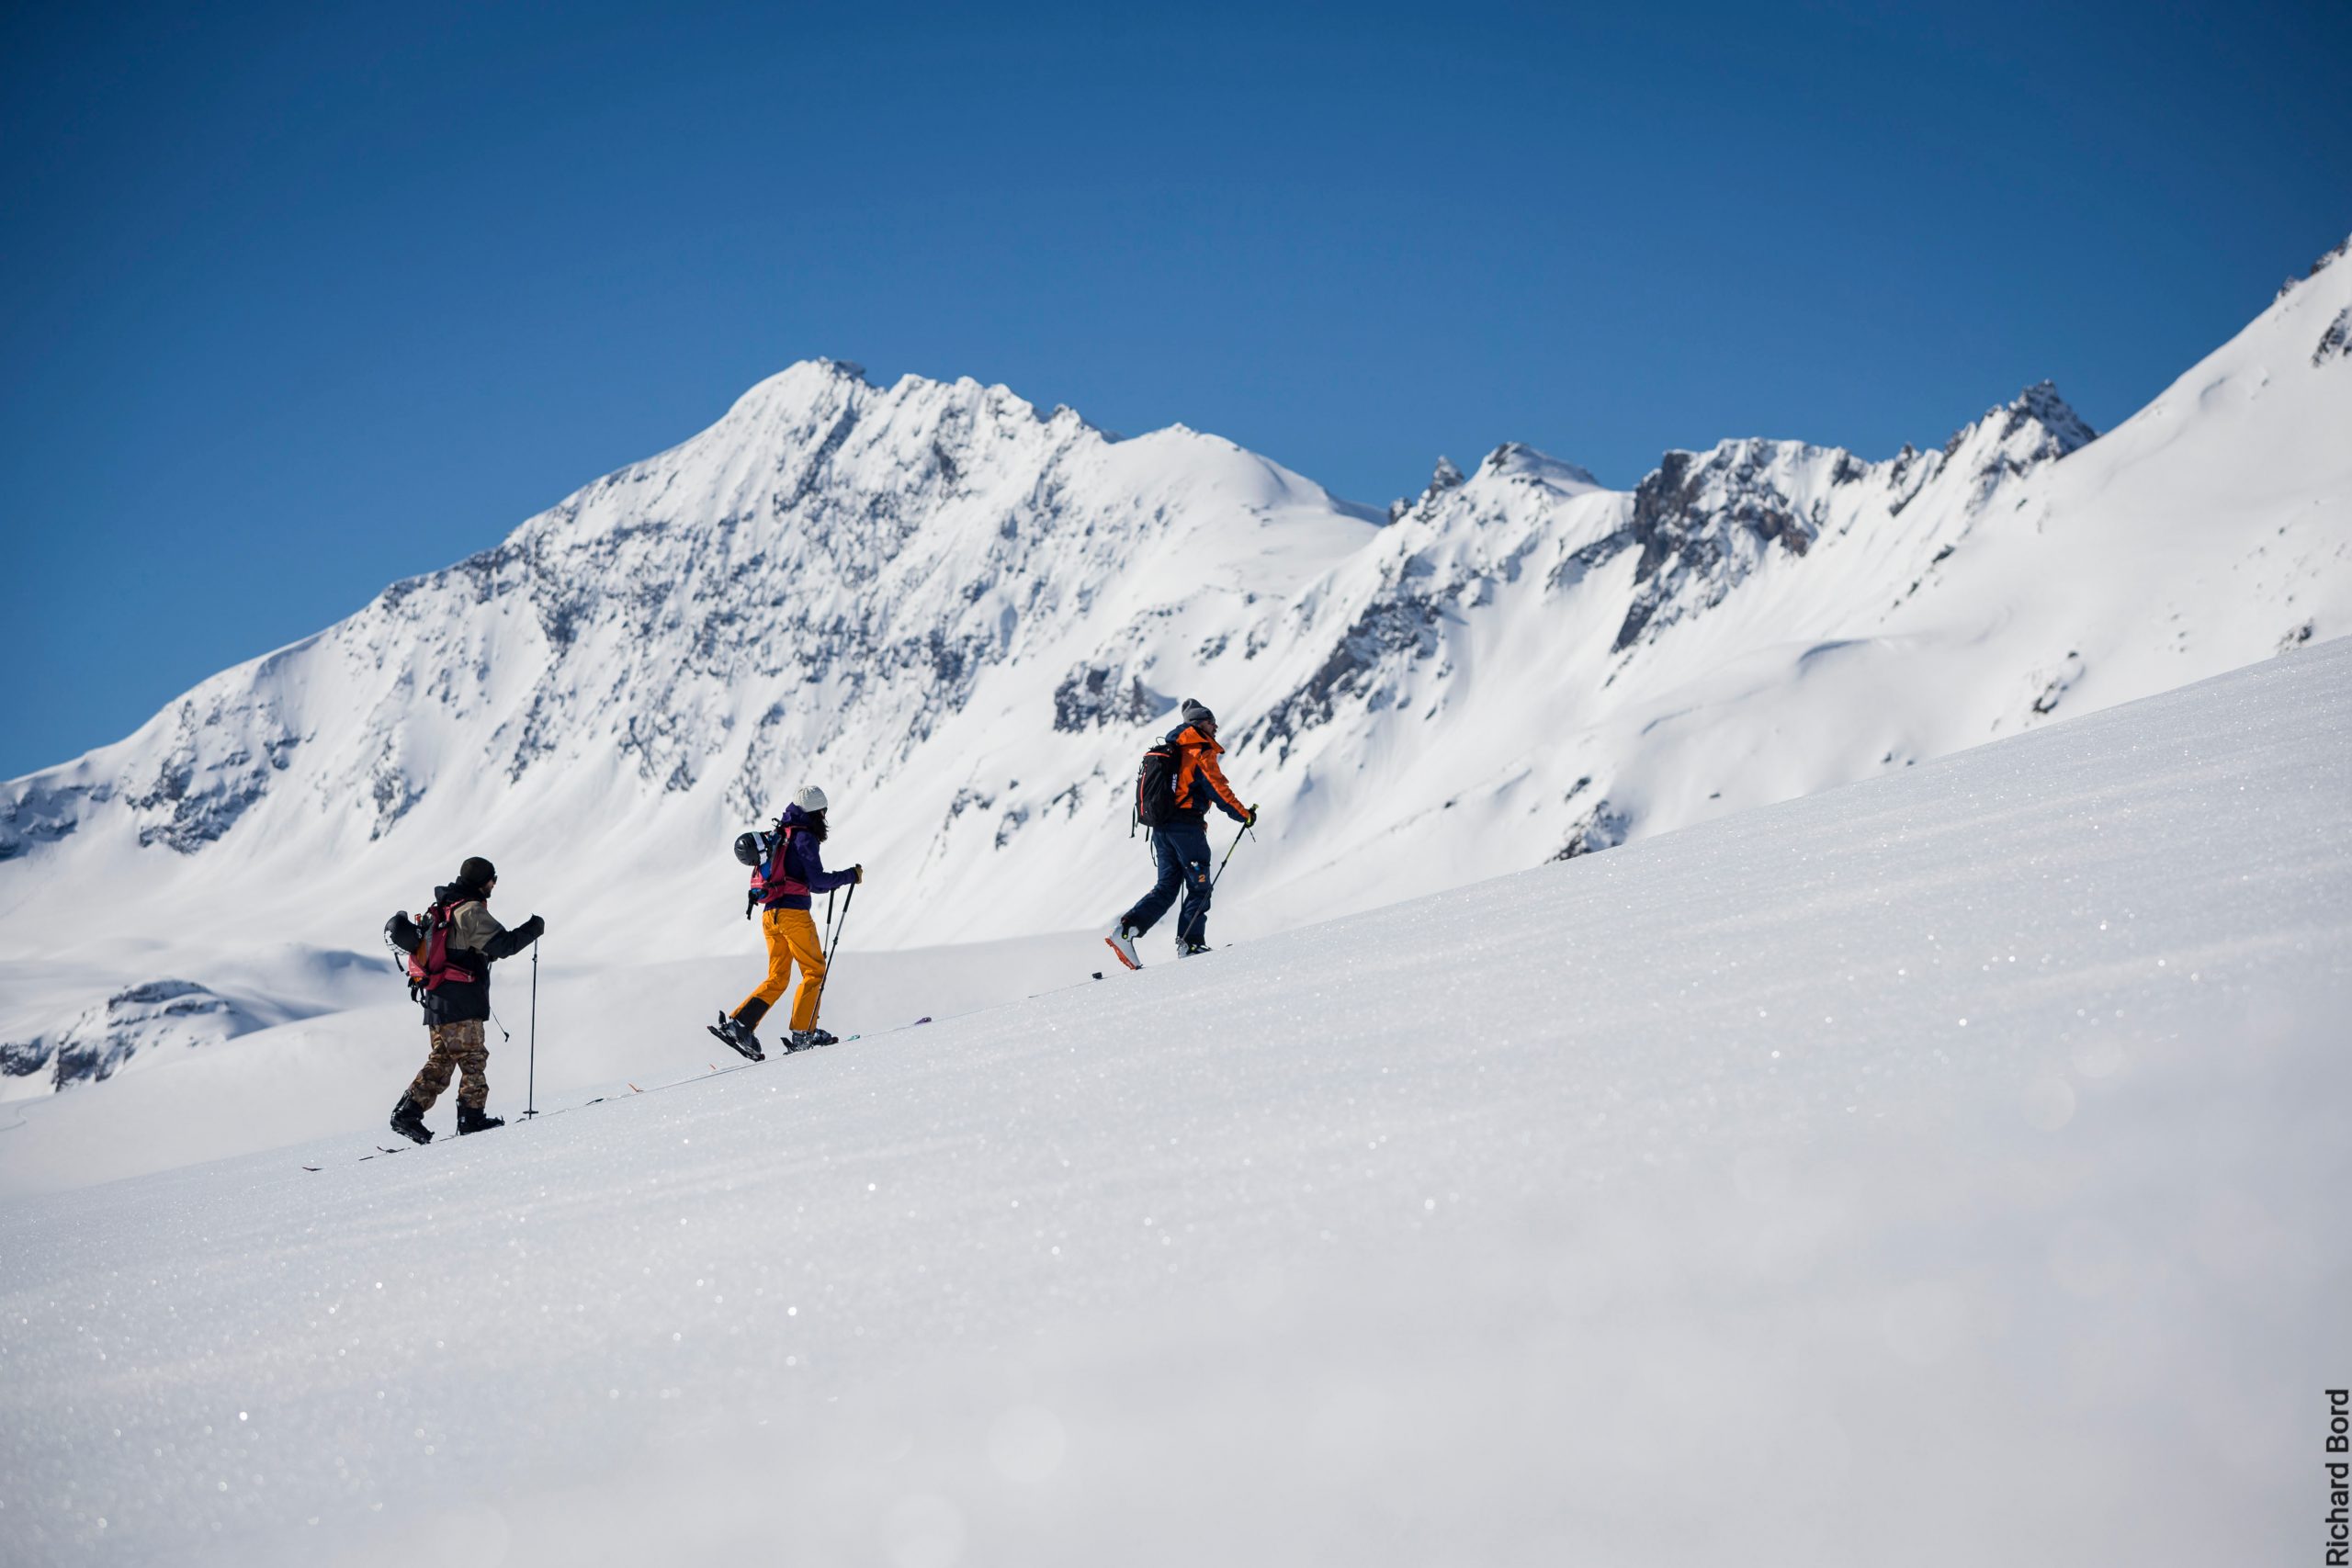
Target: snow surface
1945	1168
338	1069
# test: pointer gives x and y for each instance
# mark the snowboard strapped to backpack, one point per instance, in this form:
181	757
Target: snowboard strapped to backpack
426	943
763	852
1156	784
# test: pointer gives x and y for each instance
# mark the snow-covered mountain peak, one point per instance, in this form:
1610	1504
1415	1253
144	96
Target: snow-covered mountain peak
1443	478
784	409
1478	496
2334	343
2061	429
797	385
2010	440
1514	461
960	614
2037	426
2327	259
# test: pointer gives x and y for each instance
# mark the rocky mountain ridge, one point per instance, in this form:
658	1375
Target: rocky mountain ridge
966	616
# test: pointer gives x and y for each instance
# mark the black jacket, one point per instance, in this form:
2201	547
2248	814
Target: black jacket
460	1001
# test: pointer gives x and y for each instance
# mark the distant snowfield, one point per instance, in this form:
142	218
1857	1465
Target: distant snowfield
1945	1168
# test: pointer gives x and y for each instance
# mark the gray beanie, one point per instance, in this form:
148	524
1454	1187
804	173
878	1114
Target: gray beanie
1194	712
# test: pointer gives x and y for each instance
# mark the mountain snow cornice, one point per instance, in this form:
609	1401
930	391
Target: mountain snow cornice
964	615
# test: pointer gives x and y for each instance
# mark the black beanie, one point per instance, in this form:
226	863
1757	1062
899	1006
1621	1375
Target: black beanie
477	872
1194	712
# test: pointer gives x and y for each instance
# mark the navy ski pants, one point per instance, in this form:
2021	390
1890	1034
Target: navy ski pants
1181	852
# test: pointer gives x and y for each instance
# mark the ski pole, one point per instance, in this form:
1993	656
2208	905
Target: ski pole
1229	855
830	933
531	1092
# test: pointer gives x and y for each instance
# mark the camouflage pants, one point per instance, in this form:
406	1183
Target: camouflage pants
459	1046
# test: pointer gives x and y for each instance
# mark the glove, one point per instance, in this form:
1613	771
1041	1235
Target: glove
1250	817
536	927
858	874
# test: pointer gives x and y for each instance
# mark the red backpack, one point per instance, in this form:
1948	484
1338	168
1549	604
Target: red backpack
428	964
770	881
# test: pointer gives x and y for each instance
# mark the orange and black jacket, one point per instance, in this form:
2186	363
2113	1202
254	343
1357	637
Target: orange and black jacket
1200	783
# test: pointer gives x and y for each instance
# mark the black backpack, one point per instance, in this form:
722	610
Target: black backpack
1156	784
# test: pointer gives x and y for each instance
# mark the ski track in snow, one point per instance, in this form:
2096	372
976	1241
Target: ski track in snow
1945	1168
602	1027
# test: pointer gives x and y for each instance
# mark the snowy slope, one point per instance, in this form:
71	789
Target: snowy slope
964	616
1941	1169
338	1068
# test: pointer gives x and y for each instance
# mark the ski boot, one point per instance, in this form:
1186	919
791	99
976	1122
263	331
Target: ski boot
1122	940
472	1121
1191	948
738	1037
408	1121
810	1039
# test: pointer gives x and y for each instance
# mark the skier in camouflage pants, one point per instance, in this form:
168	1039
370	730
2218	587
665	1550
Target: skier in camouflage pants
458	1002
459	1047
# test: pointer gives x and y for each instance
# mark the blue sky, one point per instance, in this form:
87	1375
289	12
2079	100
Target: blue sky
297	300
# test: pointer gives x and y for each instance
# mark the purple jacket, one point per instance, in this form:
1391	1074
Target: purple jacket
803	868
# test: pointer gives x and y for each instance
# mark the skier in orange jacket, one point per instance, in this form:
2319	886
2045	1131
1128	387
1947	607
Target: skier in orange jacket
1180	843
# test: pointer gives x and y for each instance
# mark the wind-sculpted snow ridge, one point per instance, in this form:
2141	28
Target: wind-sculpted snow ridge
964	616
1945	1169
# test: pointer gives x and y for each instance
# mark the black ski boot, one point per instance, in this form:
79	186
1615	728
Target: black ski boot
738	1037
1191	948
408	1121
810	1039
472	1121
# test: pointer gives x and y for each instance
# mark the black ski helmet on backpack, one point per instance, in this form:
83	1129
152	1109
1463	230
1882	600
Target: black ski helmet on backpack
748	848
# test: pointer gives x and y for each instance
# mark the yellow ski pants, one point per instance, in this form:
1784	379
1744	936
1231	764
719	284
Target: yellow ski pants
792	939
